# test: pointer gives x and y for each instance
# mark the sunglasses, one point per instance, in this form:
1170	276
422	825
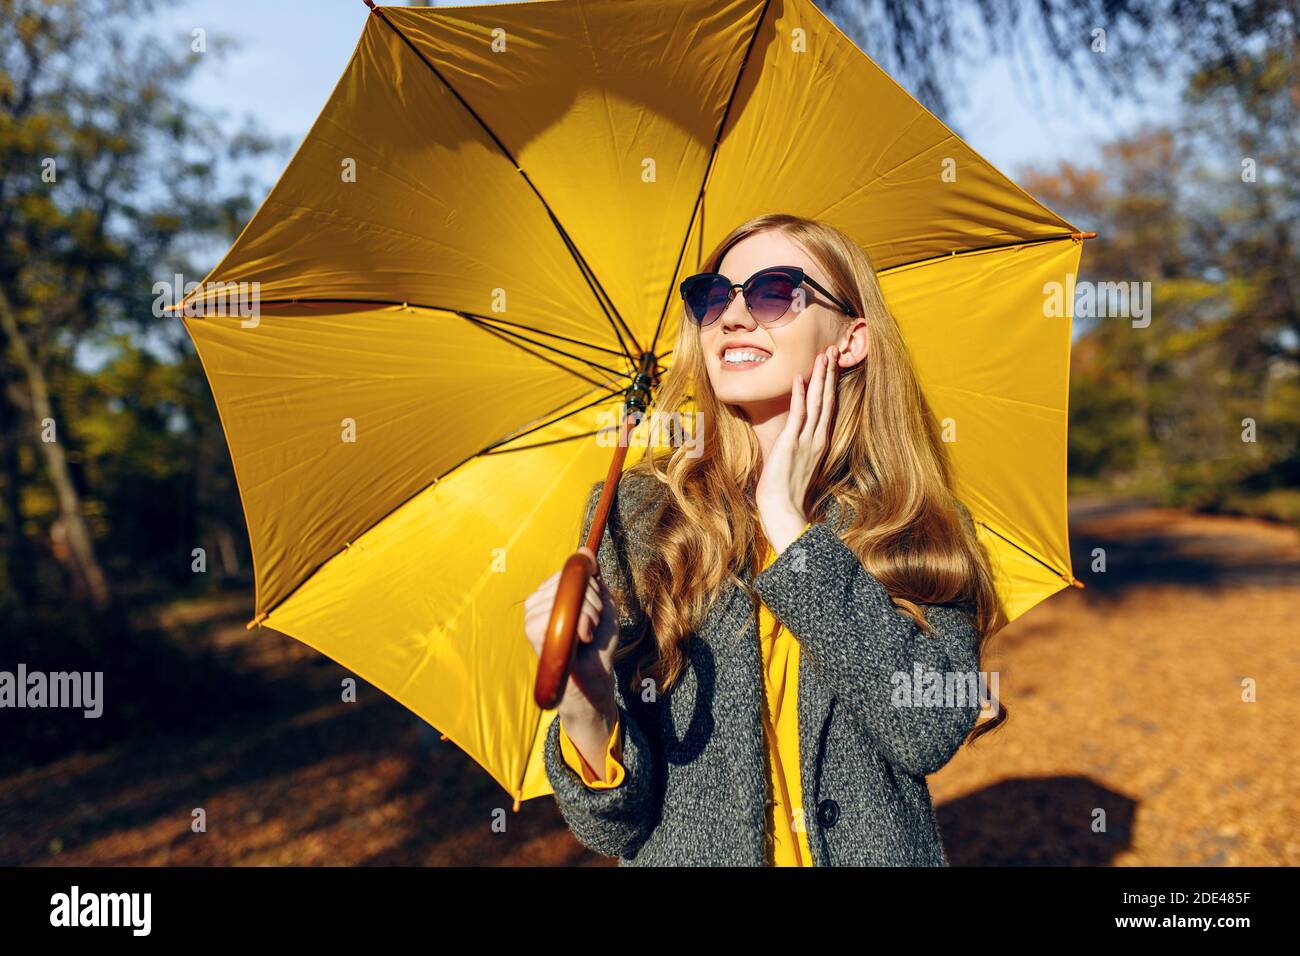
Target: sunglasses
769	293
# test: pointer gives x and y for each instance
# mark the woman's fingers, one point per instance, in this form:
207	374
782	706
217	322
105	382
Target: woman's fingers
796	405
587	622
593	605
591	600
544	590
822	433
540	605
814	405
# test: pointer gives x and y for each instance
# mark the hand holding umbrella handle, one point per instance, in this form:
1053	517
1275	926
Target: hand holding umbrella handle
561	631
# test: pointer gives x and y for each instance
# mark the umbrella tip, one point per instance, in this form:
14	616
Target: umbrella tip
1082	235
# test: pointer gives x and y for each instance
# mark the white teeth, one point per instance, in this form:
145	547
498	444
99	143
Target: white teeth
737	356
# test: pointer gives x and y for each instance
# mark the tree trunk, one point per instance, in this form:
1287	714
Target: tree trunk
73	529
19	579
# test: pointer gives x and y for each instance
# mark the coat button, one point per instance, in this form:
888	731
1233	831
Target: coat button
828	812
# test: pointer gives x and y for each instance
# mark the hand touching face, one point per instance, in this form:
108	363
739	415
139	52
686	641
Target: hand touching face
793	459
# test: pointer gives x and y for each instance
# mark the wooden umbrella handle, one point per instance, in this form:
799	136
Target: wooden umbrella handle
562	630
561	642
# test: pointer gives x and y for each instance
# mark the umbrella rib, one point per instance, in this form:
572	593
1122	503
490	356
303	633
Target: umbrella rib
955	253
554	335
708	168
488	323
597	287
543	444
261	616
298	300
1024	550
528	431
606	304
506	337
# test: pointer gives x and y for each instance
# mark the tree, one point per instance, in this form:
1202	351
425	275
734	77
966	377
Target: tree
104	173
1203	208
1104	45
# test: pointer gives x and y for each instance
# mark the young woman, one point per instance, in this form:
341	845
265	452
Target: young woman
798	607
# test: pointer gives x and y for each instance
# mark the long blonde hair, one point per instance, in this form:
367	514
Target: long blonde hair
886	460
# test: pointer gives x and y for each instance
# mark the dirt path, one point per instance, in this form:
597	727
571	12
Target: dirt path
1125	700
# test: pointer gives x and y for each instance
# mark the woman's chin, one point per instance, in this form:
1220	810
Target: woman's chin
754	398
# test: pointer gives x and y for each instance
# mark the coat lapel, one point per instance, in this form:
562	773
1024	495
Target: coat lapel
732	630
815	700
814	703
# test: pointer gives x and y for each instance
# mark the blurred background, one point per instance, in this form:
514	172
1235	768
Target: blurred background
1163	694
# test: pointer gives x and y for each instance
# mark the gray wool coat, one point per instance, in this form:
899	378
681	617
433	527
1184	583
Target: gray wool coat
695	791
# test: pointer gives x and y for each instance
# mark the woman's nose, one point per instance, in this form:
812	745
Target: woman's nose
736	314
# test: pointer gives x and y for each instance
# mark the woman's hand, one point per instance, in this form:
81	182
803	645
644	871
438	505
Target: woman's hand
789	467
589	694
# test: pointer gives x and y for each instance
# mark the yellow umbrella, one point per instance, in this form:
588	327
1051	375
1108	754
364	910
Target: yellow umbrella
481	235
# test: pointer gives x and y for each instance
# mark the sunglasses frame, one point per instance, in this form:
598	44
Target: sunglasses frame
793	272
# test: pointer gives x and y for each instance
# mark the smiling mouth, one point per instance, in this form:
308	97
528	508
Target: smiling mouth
743	358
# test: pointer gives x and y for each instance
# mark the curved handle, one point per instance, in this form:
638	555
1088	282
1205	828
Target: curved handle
561	642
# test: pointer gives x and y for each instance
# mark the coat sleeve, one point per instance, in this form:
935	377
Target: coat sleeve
616	820
863	647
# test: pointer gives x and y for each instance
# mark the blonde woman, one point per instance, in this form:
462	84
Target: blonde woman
785	635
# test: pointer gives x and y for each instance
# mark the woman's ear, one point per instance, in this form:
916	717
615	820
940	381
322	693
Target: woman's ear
853	343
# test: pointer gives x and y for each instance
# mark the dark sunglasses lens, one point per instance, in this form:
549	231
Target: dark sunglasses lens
707	298
770	296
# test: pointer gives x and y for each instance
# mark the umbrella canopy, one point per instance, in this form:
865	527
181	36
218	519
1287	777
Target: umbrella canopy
483	231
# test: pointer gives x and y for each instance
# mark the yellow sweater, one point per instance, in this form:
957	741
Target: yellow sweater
780	653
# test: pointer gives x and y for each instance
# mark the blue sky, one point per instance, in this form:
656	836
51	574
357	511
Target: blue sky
292	52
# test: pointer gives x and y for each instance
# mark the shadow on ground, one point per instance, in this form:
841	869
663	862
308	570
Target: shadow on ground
1058	821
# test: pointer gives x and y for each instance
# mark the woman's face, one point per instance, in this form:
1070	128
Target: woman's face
775	355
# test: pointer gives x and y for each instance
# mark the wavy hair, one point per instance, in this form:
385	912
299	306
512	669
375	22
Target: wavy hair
885	460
